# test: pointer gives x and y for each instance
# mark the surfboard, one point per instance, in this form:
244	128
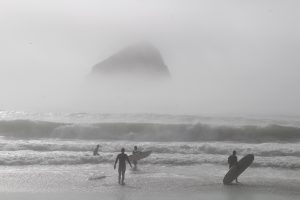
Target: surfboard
96	177
139	155
238	169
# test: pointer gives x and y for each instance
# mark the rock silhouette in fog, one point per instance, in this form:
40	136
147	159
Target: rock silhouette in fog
142	60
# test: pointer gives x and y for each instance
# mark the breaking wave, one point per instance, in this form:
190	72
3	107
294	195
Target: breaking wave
185	148
74	152
54	139
72	158
29	129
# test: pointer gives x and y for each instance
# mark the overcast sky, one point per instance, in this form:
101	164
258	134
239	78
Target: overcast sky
225	56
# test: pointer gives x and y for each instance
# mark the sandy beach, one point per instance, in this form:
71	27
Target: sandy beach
149	182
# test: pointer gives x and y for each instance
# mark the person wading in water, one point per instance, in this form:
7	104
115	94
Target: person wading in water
95	152
135	151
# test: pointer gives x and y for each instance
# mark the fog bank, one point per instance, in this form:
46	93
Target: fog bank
224	57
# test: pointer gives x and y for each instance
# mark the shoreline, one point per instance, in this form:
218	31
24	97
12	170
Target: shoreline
150	182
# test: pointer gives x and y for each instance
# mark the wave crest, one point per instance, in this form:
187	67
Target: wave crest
148	131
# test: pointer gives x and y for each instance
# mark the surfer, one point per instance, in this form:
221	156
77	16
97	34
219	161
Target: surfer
232	160
95	153
122	158
135	151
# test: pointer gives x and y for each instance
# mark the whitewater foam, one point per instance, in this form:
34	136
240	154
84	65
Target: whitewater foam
66	152
68	139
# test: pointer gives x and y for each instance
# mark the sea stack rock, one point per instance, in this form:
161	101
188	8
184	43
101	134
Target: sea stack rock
141	61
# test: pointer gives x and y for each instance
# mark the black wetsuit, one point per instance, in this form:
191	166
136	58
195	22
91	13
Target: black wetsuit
232	160
122	158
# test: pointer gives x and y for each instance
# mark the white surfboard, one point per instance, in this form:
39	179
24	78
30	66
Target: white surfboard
139	155
97	176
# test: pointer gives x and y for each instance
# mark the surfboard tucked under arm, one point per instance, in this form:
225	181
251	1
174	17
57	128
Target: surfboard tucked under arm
139	155
238	169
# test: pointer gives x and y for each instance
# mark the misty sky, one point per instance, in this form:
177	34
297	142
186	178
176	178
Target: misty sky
225	56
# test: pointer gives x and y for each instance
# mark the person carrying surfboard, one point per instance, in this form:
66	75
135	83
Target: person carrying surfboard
122	158
135	151
232	160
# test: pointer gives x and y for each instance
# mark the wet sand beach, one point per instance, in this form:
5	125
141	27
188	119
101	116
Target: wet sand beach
149	182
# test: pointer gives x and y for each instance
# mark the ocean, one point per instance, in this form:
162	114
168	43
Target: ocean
52	152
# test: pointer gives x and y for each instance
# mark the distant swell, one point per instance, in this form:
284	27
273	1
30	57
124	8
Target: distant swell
148	131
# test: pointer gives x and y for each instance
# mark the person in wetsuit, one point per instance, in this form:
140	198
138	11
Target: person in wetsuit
135	151
122	158
95	153
232	160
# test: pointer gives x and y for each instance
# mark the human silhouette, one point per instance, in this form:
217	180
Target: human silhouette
95	153
122	158
232	161
135	151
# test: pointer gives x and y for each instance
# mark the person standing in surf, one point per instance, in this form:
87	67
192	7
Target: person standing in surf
95	153
232	161
122	158
135	151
